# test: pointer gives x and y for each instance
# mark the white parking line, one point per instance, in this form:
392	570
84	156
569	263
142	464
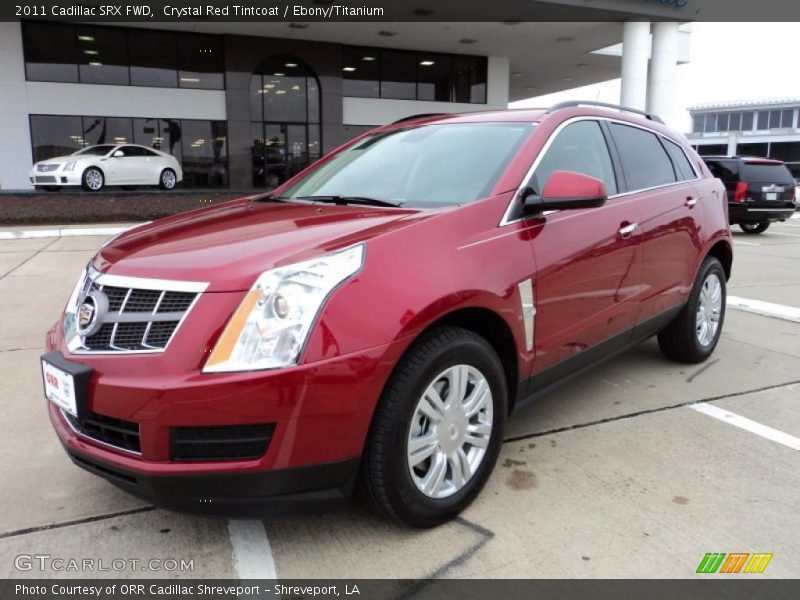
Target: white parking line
768	433
767	309
18	234
252	555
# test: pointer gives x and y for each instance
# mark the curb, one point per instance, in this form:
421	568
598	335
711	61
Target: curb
21	234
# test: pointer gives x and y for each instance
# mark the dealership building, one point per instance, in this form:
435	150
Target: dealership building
769	129
246	105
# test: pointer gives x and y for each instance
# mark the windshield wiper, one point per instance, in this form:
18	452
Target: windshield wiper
351	200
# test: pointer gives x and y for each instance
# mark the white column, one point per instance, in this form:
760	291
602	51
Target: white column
635	54
663	71
499	70
15	139
732	143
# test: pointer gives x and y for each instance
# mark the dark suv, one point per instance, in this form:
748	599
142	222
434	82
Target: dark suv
760	190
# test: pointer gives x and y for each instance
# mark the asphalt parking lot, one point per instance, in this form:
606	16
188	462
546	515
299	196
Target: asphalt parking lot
636	470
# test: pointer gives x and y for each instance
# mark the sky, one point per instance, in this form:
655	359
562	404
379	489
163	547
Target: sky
729	62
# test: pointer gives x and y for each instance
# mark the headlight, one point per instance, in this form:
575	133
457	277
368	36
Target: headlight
271	325
70	166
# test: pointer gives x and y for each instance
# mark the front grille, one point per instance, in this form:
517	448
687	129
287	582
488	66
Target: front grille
45	179
227	442
47	168
137	319
108	430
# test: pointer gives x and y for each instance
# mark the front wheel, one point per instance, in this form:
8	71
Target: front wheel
754	228
694	333
168	180
93	179
437	430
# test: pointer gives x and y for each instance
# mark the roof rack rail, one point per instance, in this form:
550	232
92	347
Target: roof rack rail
420	116
573	103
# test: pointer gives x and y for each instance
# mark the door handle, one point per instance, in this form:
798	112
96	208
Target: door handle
627	230
690	202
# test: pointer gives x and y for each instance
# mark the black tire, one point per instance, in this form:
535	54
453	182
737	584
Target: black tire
679	340
90	177
385	476
171	179
754	228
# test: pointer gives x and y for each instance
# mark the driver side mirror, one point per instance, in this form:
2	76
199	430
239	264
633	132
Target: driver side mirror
118	154
566	190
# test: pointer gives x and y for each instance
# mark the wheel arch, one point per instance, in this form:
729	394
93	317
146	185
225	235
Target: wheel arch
723	252
489	325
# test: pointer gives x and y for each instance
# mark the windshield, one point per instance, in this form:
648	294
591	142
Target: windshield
95	150
432	165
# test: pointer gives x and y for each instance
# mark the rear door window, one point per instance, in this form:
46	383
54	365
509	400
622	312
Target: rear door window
644	159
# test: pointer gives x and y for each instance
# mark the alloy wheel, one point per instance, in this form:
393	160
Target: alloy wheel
450	431
94	179
709	310
168	180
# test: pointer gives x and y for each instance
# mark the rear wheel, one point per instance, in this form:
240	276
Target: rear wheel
93	180
437	429
754	228
168	180
693	335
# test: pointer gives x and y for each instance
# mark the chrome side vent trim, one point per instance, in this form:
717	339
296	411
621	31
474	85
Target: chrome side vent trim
528	311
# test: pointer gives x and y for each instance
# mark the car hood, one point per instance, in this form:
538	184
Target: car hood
228	246
58	159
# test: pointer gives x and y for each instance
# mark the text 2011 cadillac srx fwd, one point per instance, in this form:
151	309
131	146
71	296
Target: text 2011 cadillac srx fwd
376	319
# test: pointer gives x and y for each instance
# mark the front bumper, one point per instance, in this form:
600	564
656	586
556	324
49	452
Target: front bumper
320	411
54	178
255	494
748	213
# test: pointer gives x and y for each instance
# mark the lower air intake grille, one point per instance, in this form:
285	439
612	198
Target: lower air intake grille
227	442
114	432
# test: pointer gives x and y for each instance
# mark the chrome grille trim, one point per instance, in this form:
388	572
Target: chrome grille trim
124	330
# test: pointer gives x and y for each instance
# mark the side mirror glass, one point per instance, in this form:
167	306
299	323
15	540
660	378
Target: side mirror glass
566	190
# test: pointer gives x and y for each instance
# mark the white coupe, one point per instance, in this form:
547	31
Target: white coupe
94	167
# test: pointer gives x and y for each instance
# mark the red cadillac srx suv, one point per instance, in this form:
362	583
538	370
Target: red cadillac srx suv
375	319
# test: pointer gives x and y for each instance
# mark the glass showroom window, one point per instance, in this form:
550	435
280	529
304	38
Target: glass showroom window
200	146
469	73
406	75
398	74
205	153
200	62
155	61
360	72
99	55
107	130
53	136
434	77
50	52
285	118
102	55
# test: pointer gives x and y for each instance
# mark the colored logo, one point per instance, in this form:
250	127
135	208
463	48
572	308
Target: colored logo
733	563
91	313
